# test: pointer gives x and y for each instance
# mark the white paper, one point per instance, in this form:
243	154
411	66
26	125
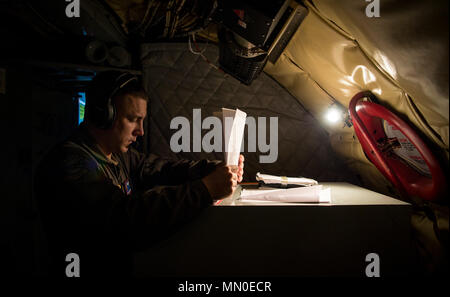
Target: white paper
310	194
233	122
272	179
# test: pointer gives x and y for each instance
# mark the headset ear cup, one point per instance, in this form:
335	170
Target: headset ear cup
101	108
111	114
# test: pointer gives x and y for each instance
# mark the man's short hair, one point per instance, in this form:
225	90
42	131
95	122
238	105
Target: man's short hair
134	89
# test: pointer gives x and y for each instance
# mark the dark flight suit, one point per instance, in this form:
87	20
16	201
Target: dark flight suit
103	210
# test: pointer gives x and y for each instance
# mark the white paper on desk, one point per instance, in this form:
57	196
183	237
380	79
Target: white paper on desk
273	179
233	123
310	194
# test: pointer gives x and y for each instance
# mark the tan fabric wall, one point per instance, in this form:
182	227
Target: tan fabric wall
409	43
323	63
402	57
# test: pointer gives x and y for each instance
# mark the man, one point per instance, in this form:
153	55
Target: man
101	199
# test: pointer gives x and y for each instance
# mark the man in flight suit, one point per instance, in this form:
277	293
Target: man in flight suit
103	200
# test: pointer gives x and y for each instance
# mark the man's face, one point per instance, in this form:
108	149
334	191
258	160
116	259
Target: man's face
128	125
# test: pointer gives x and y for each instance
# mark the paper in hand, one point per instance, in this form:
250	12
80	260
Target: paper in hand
233	124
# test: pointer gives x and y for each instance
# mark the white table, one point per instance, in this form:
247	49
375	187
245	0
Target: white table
237	238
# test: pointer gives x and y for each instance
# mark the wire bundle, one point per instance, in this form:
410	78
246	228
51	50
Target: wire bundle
173	19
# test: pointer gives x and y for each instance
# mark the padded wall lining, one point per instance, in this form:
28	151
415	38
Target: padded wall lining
179	81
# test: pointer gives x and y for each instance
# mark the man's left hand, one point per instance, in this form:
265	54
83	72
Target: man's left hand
240	172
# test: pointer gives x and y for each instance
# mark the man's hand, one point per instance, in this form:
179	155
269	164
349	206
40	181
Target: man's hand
240	172
221	182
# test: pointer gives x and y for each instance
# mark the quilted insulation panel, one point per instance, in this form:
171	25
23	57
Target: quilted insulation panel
179	81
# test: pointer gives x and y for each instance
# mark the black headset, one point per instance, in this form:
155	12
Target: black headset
100	108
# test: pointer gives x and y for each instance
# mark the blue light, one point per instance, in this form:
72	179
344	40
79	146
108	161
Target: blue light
81	105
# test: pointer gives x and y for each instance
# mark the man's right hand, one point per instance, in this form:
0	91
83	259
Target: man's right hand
221	182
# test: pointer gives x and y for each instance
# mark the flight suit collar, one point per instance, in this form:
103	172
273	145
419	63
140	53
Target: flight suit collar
90	144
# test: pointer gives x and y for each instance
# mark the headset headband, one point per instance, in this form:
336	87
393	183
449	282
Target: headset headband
121	81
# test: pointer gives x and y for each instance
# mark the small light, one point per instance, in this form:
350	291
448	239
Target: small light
333	114
336	113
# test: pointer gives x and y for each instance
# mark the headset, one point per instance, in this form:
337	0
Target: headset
100	108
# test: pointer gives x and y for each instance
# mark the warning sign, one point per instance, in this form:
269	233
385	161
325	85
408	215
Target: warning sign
407	151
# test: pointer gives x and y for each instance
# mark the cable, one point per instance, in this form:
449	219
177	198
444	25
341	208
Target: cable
149	5
149	23
196	47
168	14
200	53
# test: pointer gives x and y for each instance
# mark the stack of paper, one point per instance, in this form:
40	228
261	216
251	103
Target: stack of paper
310	194
283	180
